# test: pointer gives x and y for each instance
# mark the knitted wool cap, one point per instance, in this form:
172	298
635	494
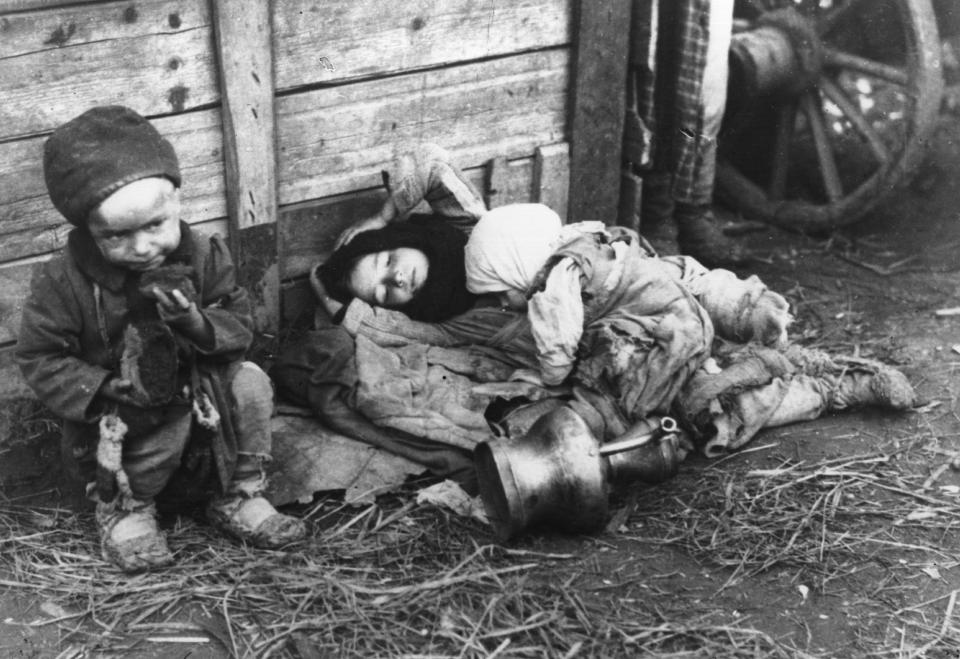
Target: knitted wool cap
444	293
95	154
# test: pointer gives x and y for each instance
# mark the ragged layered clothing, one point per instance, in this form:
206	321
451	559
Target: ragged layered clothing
611	317
71	340
628	332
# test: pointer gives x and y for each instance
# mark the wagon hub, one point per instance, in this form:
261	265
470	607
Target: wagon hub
783	54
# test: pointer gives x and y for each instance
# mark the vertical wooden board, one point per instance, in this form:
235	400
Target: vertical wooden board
599	97
246	69
250	149
551	177
337	40
511	183
496	182
155	56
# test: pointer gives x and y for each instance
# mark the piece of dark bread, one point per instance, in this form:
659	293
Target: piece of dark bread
177	276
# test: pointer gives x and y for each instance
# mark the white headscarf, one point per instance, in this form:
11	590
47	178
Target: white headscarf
509	245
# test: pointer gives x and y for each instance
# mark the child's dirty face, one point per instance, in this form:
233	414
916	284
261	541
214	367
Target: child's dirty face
138	226
390	278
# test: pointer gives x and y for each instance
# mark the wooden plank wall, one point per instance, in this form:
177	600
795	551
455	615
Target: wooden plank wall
354	81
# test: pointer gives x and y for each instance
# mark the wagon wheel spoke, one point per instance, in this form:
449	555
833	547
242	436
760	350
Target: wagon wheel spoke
842	100
839	59
810	104
786	121
826	156
831	18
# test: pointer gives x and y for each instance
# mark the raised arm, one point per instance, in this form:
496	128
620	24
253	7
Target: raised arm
423	173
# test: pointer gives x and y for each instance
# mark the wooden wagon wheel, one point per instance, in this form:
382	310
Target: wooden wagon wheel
831	104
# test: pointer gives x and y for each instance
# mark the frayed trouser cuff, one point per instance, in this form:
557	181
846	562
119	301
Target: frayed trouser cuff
250	476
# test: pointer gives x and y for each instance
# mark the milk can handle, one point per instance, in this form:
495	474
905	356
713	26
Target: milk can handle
667	426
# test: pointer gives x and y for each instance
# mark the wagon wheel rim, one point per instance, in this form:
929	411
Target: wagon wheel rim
815	102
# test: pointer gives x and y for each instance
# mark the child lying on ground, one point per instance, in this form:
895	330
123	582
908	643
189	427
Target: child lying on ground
136	338
588	293
633	332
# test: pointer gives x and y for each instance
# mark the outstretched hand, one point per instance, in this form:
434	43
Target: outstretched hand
368	224
387	214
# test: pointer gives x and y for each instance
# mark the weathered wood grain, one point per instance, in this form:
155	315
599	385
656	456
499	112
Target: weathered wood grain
599	98
307	232
55	63
330	141
250	150
156	56
496	180
335	140
249	140
551	177
10	6
337	40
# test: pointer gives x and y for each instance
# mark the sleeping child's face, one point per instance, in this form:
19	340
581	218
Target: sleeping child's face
138	226
389	278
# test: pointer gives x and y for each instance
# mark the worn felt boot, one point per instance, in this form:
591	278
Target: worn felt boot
849	381
130	537
886	387
246	515
700	236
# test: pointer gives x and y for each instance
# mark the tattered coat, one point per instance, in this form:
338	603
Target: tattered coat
71	336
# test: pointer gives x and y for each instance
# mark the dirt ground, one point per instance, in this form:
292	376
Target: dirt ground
873	290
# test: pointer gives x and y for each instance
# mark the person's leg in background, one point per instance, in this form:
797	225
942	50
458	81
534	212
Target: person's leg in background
699	235
691	94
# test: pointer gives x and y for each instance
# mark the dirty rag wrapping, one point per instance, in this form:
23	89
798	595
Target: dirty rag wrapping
425	403
318	370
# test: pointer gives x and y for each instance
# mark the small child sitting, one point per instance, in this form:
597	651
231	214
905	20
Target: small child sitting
136	336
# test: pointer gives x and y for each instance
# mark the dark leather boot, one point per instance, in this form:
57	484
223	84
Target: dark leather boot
656	214
700	236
